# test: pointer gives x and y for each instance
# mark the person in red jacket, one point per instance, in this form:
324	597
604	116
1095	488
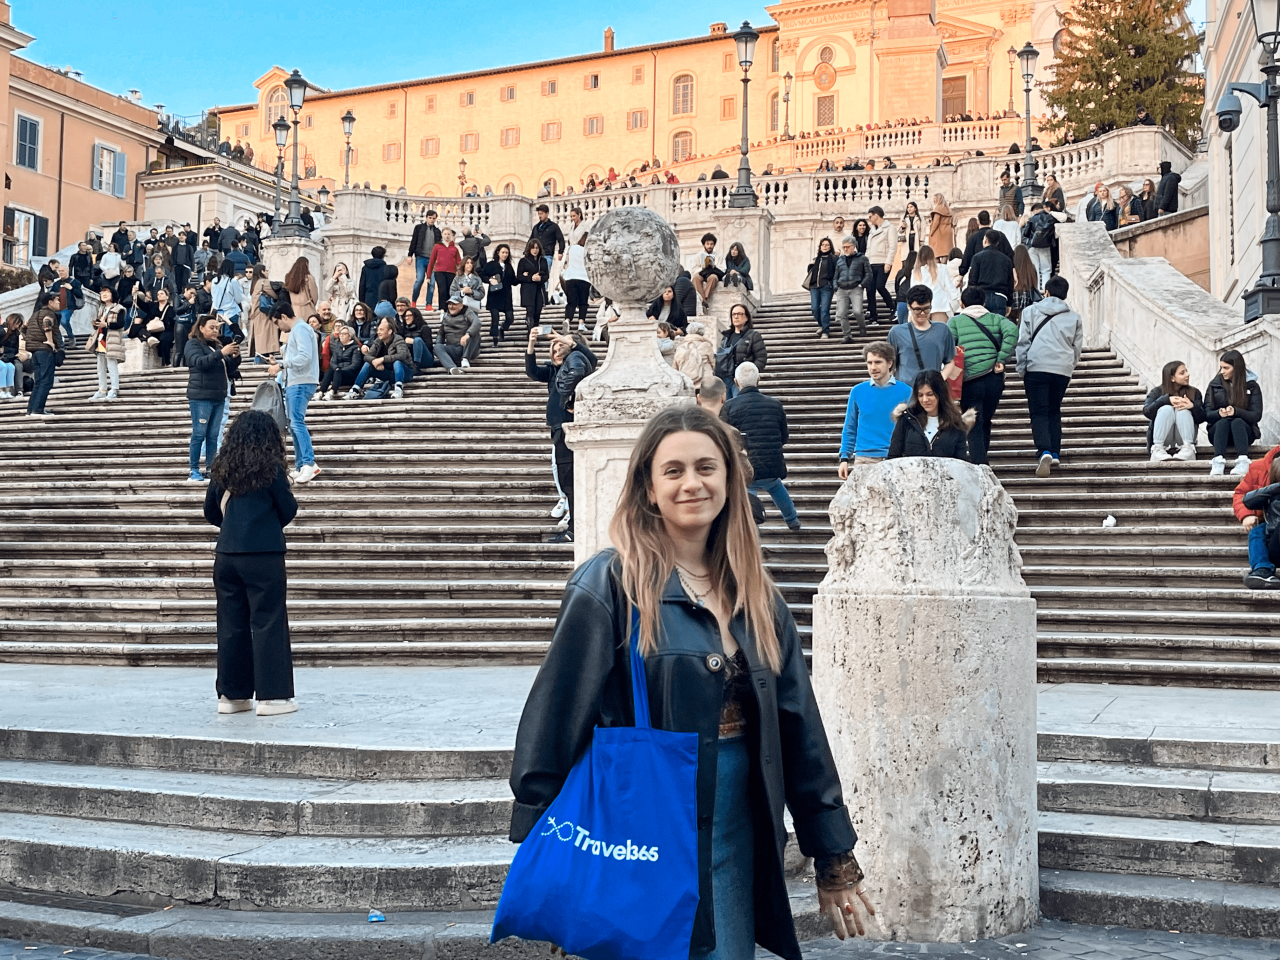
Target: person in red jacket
1257	506
443	266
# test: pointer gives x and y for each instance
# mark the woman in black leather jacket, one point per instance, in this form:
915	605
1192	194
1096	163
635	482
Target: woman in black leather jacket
723	660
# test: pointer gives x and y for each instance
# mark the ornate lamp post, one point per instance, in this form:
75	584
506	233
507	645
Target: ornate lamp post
281	128
744	195
1264	298
462	176
348	125
293	225
786	100
1030	189
1011	110
323	194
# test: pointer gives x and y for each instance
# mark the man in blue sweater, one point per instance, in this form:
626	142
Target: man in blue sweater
868	421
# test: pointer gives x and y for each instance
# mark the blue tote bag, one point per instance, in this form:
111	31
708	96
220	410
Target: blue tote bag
611	872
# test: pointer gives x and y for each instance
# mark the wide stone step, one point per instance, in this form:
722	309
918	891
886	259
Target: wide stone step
1150	846
1171	673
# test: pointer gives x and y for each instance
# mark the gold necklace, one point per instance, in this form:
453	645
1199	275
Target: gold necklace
699	598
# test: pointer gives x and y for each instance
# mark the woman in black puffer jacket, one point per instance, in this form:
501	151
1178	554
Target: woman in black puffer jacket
930	424
212	367
742	342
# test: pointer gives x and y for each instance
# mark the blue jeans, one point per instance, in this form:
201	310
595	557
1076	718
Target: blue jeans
6	375
401	373
206	418
295	401
901	311
423	355
1259	558
64	318
420	274
781	499
733	856
820	306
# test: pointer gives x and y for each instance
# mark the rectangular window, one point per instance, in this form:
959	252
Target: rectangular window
390	152
393	108
728	108
242	130
108	170
637	73
593	126
826	112
591	81
549	88
637	119
431	146
730	61
431	104
308	122
551	130
342	156
469	142
508	93
511	136
467	98
28	143
26	236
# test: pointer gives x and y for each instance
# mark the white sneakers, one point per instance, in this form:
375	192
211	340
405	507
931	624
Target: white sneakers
465	363
1160	453
266	708
1241	467
1186	452
307	473
327	395
398	392
98	396
275	708
1042	467
560	509
352	394
1216	466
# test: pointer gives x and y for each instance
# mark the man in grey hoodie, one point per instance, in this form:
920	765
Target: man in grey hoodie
1050	341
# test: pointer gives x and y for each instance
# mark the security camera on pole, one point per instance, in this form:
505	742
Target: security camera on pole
1264	298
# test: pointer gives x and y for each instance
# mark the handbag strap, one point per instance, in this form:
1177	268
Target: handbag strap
639	685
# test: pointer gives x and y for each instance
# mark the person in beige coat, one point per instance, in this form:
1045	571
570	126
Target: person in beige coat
942	235
264	337
302	289
107	344
695	354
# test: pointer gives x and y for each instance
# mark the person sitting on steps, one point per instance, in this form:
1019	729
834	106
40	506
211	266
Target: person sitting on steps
1176	410
386	358
1232	410
345	363
1256	503
707	274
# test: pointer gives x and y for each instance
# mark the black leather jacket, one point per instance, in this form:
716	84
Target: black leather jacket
585	682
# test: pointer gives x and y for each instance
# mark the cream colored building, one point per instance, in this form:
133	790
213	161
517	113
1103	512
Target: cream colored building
853	63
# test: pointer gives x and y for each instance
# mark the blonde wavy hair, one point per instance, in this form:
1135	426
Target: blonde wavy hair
733	548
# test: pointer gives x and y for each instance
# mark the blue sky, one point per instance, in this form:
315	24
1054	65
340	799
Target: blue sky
192	56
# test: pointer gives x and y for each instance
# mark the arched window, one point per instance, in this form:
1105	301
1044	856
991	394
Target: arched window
776	55
277	104
508	189
682	94
773	113
681	146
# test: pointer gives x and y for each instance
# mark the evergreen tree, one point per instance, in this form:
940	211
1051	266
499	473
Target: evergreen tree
1118	55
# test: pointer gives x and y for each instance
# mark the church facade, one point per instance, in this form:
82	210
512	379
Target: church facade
820	66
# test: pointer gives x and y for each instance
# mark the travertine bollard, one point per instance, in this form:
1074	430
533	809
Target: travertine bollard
924	658
139	356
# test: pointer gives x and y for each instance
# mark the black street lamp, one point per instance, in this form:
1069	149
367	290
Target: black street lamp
323	194
293	225
1011	111
281	128
462	176
1264	298
786	99
744	195
1030	189
348	125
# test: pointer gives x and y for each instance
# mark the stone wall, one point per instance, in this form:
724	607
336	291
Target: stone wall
1182	238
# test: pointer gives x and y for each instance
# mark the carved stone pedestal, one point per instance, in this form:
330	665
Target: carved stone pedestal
139	356
924	666
280	253
632	254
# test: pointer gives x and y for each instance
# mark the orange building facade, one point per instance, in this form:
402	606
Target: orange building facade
852	63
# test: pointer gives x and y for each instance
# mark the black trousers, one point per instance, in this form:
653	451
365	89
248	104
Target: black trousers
983	394
336	379
443	282
577	292
879	285
1044	402
500	310
564	469
1230	431
253	627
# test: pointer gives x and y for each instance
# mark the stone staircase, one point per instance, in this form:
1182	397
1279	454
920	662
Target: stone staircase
424	538
422	543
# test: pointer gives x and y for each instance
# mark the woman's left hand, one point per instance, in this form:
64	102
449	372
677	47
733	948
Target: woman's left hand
845	908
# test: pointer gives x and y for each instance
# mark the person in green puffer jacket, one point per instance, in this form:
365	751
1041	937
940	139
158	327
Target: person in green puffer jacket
989	341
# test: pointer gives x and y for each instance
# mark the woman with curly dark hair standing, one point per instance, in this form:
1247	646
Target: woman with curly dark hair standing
250	502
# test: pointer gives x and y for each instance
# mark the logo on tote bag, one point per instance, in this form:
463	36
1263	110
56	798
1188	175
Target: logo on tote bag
617	851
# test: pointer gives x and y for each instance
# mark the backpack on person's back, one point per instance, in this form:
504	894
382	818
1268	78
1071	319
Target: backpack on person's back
269	398
270	294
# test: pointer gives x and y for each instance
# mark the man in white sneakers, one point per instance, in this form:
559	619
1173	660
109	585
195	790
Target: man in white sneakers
882	244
